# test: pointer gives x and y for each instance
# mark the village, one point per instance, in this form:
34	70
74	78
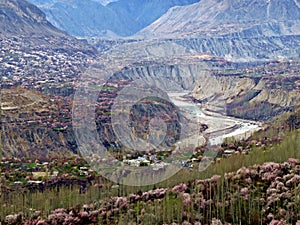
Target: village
40	174
28	173
39	67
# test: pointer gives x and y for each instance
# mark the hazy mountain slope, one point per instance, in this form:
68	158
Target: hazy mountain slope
239	30
91	18
85	18
144	12
20	17
214	17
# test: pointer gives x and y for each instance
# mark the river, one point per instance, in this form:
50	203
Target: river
220	126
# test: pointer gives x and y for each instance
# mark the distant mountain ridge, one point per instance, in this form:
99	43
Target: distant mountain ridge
90	18
239	30
84	18
18	17
21	21
144	12
215	17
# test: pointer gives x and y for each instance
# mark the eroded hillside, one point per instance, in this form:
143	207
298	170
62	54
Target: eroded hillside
35	125
39	124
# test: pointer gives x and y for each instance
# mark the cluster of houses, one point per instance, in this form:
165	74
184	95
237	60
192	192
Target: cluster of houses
144	160
153	161
38	66
17	172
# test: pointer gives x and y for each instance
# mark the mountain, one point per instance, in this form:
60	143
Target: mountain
28	27
40	58
24	135
239	30
91	18
20	17
84	18
215	17
144	12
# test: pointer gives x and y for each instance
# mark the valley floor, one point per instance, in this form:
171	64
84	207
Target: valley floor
220	126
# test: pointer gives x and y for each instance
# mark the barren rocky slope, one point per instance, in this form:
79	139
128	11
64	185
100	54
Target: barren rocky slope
216	17
240	30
